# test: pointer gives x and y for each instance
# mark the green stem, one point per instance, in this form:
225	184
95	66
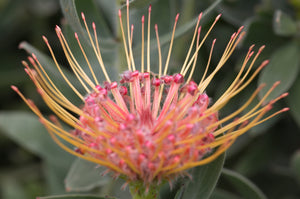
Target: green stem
139	191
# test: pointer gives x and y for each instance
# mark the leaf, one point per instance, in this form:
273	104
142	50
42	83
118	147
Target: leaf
236	12
25	129
222	194
204	180
70	13
293	101
244	186
84	176
283	24
295	165
75	197
283	67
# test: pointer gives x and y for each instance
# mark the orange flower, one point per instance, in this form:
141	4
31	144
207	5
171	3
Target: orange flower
148	127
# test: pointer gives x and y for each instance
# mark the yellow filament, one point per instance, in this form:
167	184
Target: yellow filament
143	45
159	52
98	55
191	46
124	42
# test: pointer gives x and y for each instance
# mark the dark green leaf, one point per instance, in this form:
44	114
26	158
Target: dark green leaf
179	193
222	194
204	180
295	165
283	67
75	197
244	186
236	12
293	101
283	24
84	176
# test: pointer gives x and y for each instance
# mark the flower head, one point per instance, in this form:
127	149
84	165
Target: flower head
148	126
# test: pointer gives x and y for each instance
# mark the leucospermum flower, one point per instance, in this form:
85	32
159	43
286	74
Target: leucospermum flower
148	127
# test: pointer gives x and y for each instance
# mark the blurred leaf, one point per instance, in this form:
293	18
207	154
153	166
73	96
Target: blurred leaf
84	176
283	24
293	100
295	165
236	12
244	186
88	7
75	197
259	31
283	67
139	3
256	156
11	189
25	129
180	193
222	194
55	176
204	180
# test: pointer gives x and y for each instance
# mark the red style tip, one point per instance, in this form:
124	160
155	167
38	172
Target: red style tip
266	62
82	16
149	9
127	2
120	13
261	48
284	94
218	17
132	27
285	109
143	19
276	83
177	16
34	57
200	15
251	47
45	39
14	88
155	26
76	35
214	41
240	29
199	30
94	25
57	28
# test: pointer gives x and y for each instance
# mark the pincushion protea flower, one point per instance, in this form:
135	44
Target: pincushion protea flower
148	127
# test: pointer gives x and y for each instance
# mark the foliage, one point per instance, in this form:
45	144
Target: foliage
32	165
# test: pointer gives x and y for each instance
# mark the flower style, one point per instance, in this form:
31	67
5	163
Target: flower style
148	127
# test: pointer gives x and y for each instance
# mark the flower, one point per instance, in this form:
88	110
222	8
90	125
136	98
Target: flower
148	127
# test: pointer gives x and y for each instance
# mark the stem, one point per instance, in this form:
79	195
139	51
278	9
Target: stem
139	191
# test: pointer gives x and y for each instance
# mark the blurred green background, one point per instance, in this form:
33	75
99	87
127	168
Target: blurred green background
32	165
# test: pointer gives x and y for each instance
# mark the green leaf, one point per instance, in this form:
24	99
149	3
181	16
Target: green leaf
84	176
204	180
70	12
75	197
179	193
244	186
283	24
283	67
295	165
25	129
222	194
293	101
